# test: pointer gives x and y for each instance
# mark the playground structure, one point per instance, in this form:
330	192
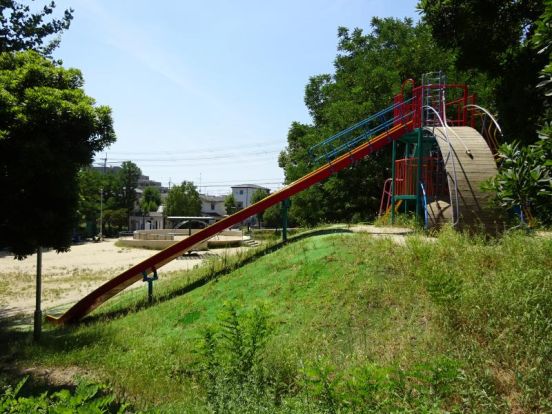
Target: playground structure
162	238
445	161
445	158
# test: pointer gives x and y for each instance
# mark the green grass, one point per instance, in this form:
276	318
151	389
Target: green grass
356	324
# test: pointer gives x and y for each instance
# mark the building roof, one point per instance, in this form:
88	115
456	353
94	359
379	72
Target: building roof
211	198
249	186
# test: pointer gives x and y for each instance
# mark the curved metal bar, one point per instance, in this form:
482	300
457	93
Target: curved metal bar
446	125
489	114
490	135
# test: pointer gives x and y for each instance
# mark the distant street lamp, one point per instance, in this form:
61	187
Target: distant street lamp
101	214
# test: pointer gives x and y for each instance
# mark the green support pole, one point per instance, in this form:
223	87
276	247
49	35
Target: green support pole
149	280
393	182
419	154
285	206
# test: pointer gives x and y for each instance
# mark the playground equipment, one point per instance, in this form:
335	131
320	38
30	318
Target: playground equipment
445	158
421	121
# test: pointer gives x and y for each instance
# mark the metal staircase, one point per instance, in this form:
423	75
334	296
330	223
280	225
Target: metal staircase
350	138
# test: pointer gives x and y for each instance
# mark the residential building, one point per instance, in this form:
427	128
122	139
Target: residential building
243	194
212	206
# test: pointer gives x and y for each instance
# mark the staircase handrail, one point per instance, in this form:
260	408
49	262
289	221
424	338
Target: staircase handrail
494	142
362	137
356	126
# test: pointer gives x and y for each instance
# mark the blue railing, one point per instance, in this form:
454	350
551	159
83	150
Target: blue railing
342	141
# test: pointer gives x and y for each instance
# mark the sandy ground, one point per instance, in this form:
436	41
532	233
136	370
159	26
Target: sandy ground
69	276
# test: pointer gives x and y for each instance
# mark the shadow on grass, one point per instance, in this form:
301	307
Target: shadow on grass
144	304
18	345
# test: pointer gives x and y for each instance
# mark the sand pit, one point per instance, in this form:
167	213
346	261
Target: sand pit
67	277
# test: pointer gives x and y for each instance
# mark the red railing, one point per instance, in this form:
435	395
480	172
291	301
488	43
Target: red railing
456	111
433	176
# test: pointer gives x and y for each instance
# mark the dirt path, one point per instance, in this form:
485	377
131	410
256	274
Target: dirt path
397	234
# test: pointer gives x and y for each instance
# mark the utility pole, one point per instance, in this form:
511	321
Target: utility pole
101	214
101	199
38	294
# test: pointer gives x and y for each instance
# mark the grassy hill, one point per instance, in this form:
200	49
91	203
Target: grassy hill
332	323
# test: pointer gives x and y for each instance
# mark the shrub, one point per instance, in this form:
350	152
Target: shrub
87	398
524	180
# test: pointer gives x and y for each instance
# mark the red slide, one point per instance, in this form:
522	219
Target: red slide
135	273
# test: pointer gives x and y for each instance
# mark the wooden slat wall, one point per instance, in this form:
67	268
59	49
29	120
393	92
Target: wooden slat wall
471	171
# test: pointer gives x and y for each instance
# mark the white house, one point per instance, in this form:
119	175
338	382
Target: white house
150	221
243	193
212	205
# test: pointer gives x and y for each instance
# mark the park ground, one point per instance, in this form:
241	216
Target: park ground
69	276
343	321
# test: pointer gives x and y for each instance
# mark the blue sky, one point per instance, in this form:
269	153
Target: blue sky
206	91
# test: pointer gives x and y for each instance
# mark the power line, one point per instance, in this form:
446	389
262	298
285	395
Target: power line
201	163
212	157
210	149
257	183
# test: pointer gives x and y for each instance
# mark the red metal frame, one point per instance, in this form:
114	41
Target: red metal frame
433	176
135	273
457	113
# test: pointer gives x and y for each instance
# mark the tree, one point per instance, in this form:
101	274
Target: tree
230	204
369	70
127	179
542	42
91	183
183	200
20	29
151	199
258	195
49	129
493	37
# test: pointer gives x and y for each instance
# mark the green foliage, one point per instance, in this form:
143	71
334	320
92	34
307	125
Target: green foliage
258	195
369	70
127	178
87	398
524	179
232	356
20	29
542	42
273	216
230	204
120	198
49	129
455	324
91	184
372	388
493	37
151	199
115	219
183	200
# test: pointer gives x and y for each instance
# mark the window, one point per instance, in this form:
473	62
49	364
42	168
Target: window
212	206
241	192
